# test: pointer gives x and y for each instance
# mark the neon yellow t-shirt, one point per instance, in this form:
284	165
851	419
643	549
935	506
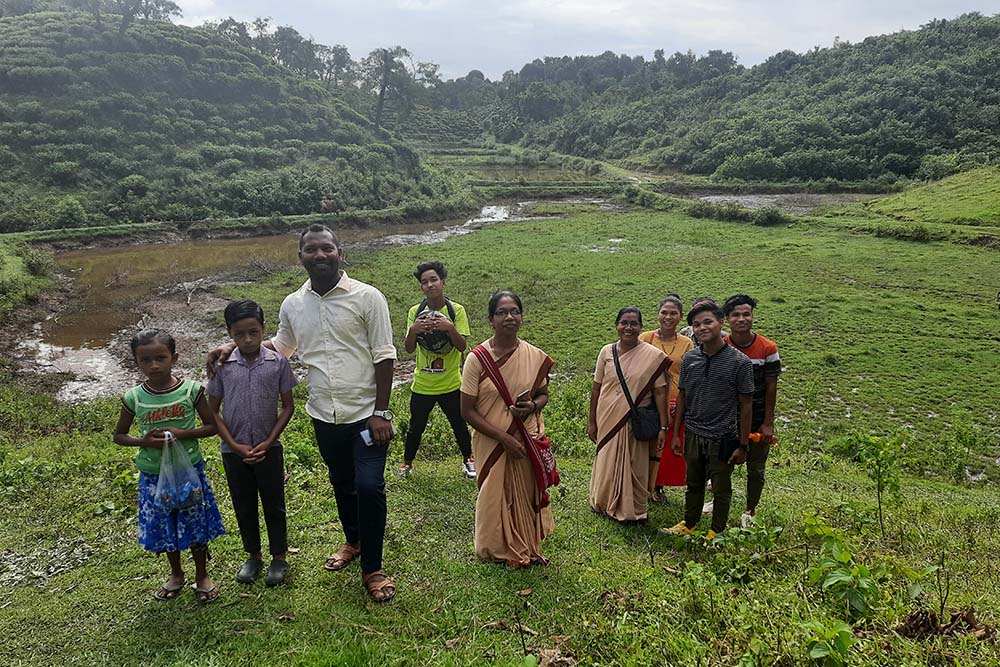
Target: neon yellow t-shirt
439	373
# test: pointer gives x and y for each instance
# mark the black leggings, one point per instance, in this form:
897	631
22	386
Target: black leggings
420	410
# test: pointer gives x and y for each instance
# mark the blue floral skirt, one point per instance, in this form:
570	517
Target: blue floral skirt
162	530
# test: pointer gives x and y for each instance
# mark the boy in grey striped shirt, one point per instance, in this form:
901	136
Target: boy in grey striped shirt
716	384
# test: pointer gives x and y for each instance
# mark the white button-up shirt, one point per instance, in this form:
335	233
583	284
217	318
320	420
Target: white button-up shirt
339	336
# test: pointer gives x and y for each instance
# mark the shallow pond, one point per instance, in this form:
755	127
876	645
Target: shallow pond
168	284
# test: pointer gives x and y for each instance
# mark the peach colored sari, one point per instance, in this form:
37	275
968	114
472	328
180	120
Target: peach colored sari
510	525
619	483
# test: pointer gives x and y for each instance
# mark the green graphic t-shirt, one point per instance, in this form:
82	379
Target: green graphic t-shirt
439	373
156	409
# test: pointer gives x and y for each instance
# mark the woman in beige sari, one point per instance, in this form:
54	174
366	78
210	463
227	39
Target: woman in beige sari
619	484
510	520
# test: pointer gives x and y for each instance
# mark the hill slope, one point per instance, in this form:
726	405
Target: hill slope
921	103
169	122
969	198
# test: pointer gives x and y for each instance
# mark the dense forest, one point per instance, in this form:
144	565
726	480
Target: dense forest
916	104
108	118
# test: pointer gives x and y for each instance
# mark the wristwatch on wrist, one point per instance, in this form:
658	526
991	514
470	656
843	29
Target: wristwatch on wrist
664	428
384	414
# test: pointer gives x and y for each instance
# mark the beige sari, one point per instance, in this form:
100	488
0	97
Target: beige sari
510	525
619	484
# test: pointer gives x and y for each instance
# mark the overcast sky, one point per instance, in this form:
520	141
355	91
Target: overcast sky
497	36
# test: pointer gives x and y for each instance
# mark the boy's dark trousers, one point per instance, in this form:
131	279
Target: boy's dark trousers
420	409
266	479
357	473
702	458
756	462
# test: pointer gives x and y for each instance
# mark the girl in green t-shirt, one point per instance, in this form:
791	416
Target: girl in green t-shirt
167	404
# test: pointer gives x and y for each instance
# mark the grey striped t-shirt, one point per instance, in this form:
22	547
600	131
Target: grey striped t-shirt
711	386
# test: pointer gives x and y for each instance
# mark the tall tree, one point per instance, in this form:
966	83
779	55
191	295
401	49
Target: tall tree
336	67
158	10
384	74
237	31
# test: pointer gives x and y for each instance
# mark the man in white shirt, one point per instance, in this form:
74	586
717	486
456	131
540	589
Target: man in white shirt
341	331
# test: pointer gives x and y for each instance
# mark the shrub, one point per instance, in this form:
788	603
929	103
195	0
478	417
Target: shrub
755	166
135	184
766	217
229	166
69	212
63	173
37	261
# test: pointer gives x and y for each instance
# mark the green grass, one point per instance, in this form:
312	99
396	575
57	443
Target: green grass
970	198
873	340
22	275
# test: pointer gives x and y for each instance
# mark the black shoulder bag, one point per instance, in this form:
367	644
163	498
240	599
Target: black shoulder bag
645	419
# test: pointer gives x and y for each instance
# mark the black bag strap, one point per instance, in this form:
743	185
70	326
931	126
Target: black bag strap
621	378
447	304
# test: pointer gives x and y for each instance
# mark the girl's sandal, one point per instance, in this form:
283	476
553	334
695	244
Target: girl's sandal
165	593
379	586
206	597
341	558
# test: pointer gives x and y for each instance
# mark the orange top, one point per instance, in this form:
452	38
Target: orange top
675	349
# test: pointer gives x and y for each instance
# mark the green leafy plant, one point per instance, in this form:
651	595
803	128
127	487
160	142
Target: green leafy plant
881	458
829	645
699	582
851	586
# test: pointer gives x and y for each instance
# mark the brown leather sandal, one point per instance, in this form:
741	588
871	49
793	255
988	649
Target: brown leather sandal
379	586
166	593
341	558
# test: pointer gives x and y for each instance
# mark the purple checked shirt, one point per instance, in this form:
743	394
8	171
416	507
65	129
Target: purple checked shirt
250	394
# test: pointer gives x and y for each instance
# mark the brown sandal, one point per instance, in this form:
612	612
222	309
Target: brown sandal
341	558
168	593
206	596
380	587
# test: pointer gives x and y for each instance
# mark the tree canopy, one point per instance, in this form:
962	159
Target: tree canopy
916	104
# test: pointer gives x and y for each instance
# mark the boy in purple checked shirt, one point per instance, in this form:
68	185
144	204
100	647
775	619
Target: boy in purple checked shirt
248	385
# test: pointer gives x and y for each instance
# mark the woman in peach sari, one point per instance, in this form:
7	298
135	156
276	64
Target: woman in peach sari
511	521
668	469
619	484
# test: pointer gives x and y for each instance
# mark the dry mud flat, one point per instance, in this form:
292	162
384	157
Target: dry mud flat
790	204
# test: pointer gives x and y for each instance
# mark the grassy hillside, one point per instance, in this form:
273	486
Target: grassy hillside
971	198
173	123
23	272
872	342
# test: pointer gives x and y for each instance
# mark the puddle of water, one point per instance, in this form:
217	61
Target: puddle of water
88	366
110	277
487	216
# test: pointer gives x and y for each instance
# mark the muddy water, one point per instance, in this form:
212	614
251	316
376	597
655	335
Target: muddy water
111	280
169	285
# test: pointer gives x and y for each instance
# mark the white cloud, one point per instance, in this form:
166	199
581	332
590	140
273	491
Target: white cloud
422	5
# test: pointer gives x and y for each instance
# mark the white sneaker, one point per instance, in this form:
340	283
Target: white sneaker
746	520
469	468
708	507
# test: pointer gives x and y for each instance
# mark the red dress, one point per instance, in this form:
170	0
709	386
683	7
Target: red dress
672	470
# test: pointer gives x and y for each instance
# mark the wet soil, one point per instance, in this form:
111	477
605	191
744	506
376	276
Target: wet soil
791	204
82	331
